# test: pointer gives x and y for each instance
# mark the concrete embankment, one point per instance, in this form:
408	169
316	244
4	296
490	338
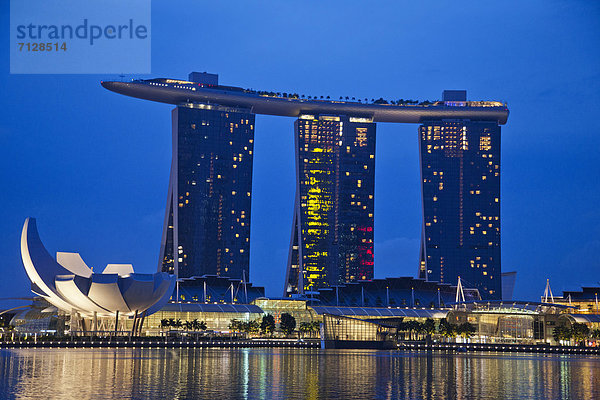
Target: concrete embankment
500	347
160	344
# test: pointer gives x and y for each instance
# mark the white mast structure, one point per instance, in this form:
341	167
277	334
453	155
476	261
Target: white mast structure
460	295
547	292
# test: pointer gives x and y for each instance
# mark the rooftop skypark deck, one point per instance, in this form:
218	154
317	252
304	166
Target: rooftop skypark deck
174	91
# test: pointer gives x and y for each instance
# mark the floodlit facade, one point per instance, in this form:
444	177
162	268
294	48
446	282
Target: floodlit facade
584	301
460	178
216	316
299	309
71	286
207	223
332	234
509	322
345	332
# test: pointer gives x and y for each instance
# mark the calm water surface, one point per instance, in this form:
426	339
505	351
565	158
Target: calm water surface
292	374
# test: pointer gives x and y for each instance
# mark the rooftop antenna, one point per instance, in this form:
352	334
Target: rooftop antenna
547	292
460	295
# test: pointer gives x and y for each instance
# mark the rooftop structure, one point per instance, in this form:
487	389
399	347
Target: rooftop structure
217	289
175	91
392	292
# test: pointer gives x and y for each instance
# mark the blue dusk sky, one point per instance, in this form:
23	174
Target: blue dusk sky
93	166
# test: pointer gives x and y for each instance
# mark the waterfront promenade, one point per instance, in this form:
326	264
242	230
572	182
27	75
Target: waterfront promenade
89	343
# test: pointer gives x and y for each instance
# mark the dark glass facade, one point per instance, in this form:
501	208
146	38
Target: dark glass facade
393	292
207	223
460	176
332	230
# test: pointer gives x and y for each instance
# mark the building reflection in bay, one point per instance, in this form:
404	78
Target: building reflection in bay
291	373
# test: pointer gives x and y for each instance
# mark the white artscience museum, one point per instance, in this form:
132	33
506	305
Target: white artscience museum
69	284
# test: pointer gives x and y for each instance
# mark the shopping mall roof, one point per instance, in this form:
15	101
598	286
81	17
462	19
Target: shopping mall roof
381	312
584	318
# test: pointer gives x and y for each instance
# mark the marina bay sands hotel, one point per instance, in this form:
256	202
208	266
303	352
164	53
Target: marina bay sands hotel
207	221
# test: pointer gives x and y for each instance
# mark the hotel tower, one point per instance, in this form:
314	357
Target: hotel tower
332	228
460	178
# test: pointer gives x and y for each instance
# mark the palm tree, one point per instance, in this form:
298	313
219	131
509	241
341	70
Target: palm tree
305	327
202	325
580	332
253	327
236	326
316	326
164	323
447	329
466	330
195	324
429	326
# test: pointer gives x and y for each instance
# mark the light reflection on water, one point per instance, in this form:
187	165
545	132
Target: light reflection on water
292	373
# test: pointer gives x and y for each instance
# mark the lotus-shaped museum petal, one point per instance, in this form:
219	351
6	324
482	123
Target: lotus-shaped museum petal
69	284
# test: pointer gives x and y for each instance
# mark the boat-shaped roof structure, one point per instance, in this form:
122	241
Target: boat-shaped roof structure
174	91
